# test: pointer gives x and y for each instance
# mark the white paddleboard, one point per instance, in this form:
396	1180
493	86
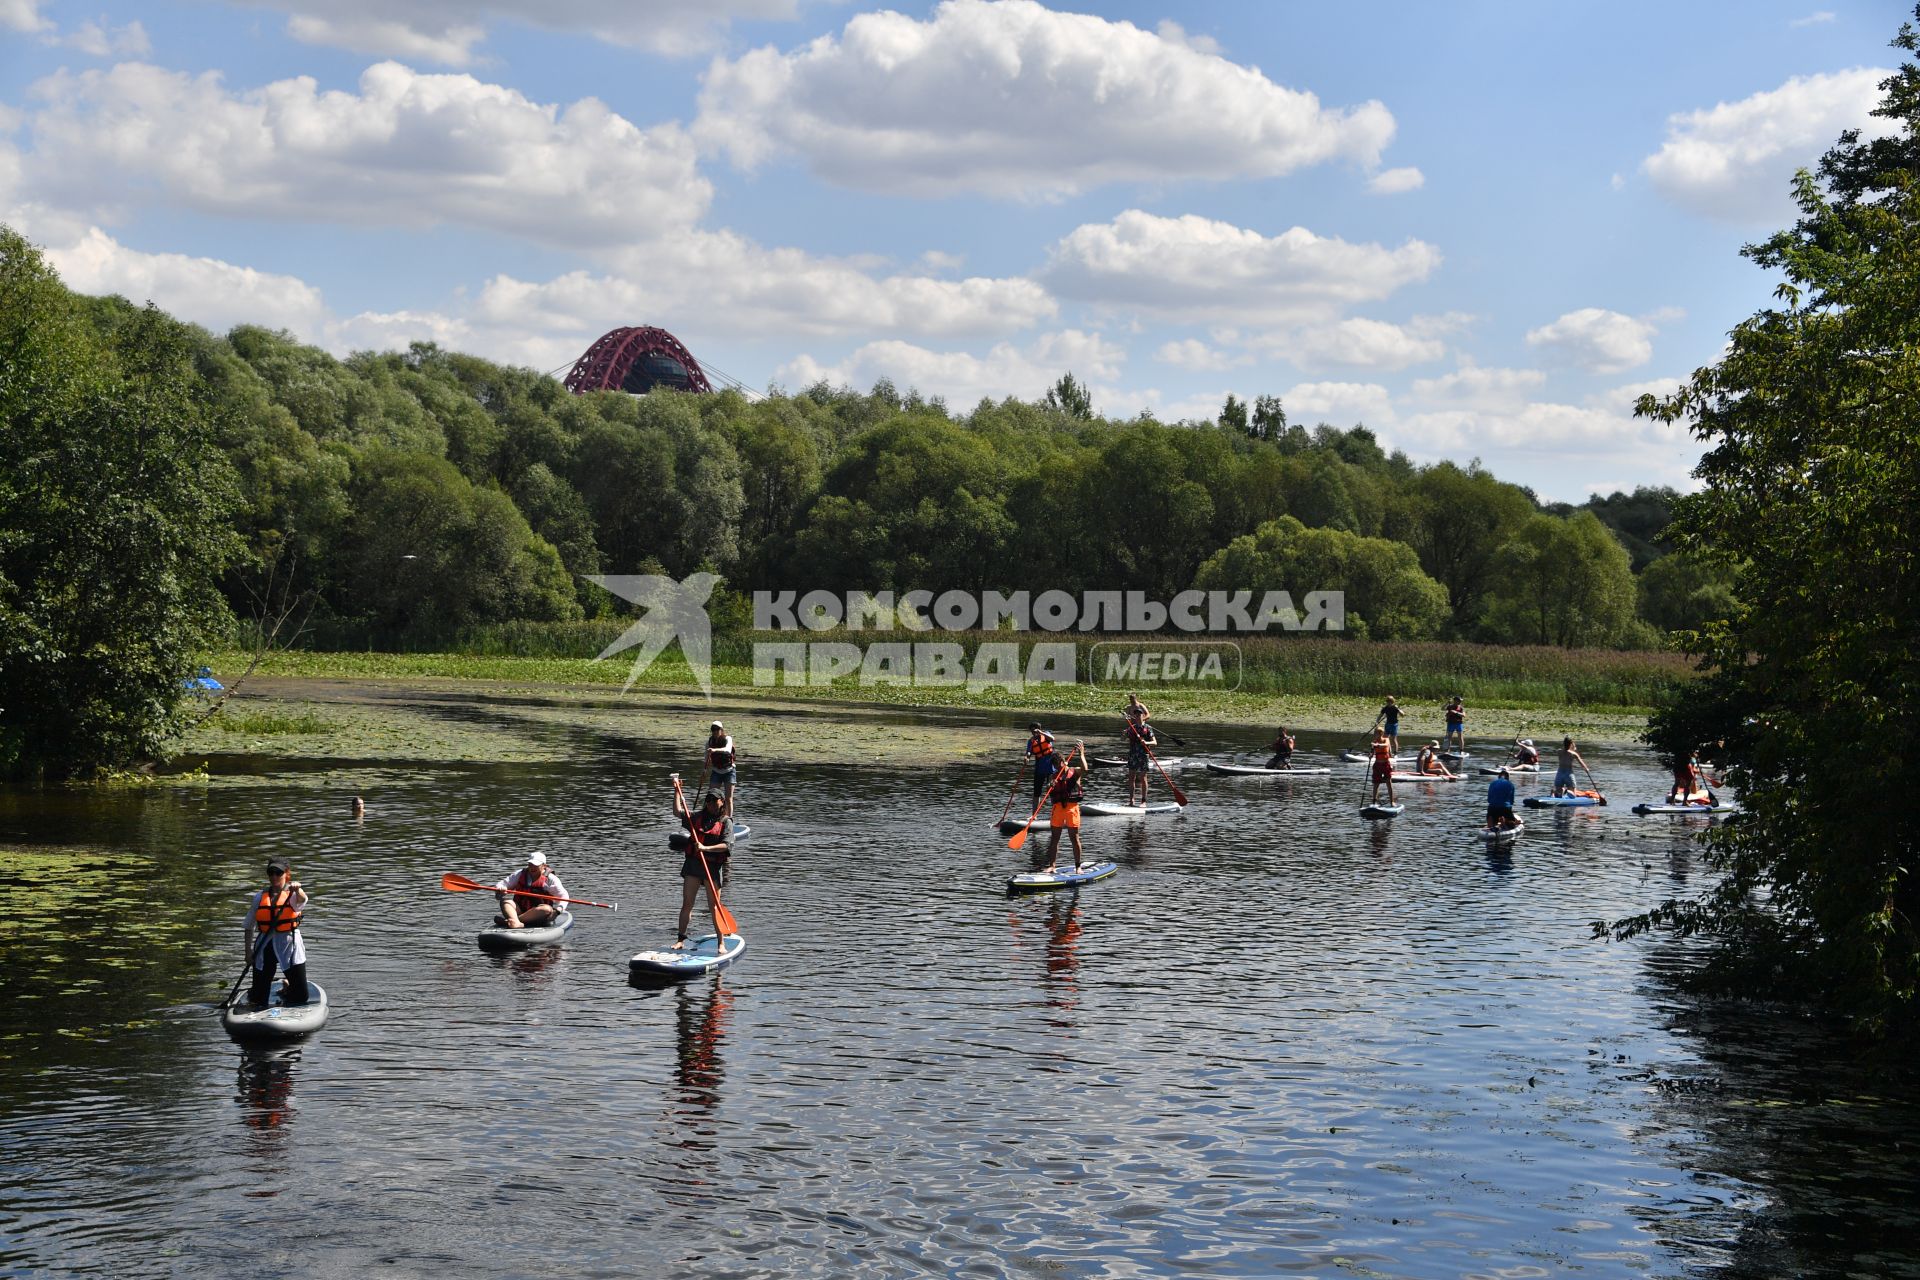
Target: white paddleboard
1258	771
1061	878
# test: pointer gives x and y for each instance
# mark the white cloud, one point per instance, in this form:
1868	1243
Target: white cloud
1736	160
1173	33
101	41
1394	181
448	31
1341	404
1014	99
1813	19
204	291
23	15
964	379
1597	340
407	149
1480	387
1191	353
1357	343
721	282
1196	268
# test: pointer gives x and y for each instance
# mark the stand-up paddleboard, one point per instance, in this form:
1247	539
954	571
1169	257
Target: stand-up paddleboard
1362	757
1109	809
1722	807
1428	777
1512	768
700	955
678	840
1257	771
1061	878
1010	825
1456	755
1502	835
501	938
276	1021
1563	802
1382	810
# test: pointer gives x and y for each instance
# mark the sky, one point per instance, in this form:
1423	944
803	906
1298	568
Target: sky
1480	229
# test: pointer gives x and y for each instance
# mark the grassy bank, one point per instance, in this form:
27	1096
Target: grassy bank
1513	676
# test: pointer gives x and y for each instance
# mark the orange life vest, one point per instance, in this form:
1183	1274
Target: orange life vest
1040	745
1383	751
271	915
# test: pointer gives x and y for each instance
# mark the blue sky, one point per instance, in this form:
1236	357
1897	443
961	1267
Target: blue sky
1479	228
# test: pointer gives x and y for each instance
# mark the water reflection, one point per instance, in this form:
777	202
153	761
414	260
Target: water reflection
700	1027
265	1095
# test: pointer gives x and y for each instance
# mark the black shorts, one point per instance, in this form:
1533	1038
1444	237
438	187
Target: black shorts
716	865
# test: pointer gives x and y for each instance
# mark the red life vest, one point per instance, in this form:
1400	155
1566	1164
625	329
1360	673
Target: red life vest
706	832
1068	787
276	915
539	884
720	754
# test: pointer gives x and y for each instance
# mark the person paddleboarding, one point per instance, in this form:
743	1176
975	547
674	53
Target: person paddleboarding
710	835
1139	738
1282	757
518	908
273	937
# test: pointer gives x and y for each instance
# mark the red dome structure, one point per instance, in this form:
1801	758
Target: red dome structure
637	360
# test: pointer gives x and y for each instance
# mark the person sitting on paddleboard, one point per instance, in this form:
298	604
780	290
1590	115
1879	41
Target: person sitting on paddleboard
1382	764
1431	763
1067	790
1389	719
1045	759
273	937
518	908
721	759
1456	724
1500	814
1525	753
1282	750
1139	738
1563	776
712	836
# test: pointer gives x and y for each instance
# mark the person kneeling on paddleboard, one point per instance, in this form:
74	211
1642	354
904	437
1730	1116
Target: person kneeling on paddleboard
1045	759
518	908
1525	753
1500	814
712	836
1067	791
273	937
1282	750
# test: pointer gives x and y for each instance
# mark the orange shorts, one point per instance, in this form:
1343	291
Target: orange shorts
1066	817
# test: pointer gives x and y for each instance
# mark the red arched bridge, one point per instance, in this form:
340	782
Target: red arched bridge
637	360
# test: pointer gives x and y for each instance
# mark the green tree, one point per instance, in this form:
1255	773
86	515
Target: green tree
1686	592
1813	478
114	508
1457	519
1071	397
1387	595
1269	419
1560	581
1233	415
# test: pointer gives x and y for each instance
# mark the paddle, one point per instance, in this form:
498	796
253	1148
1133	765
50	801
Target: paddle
723	921
1179	796
1013	791
1590	778
1019	837
460	884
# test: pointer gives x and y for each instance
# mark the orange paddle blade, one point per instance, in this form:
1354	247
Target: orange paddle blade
1019	837
460	884
723	920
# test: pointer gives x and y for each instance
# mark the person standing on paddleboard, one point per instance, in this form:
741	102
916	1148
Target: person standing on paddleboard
1139	738
1563	776
1382	765
273	937
1067	790
1045	759
1456	736
1500	814
519	911
1282	750
721	762
1389	719
712	835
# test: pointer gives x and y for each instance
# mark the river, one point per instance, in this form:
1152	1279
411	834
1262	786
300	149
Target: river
1281	1040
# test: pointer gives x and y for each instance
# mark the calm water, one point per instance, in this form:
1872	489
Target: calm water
1282	1040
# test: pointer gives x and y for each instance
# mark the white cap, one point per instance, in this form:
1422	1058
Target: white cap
714	725
536	859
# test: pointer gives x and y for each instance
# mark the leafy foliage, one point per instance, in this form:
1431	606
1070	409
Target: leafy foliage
1813	477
